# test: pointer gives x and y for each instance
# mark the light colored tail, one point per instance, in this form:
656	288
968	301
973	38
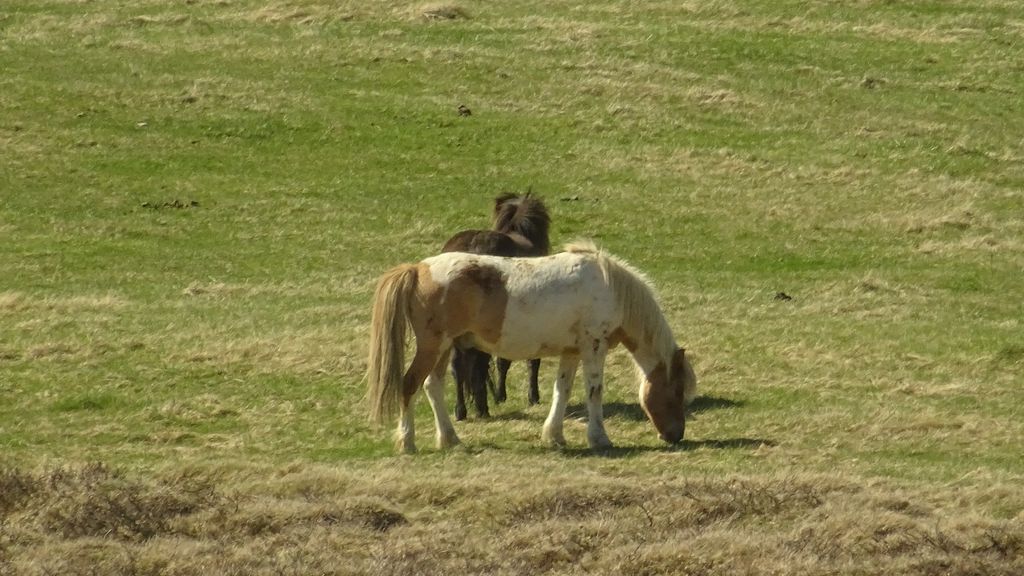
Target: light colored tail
386	361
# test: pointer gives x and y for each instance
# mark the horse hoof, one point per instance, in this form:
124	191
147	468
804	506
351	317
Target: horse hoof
460	415
557	441
446	443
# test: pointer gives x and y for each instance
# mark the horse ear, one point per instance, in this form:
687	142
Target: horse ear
678	360
501	199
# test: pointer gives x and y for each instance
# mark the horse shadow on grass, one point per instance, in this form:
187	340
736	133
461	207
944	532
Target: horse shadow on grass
633	411
616	452
510	416
624	410
707	403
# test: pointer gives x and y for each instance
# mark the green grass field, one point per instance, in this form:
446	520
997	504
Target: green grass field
196	198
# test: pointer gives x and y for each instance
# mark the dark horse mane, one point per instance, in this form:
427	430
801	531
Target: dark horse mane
526	216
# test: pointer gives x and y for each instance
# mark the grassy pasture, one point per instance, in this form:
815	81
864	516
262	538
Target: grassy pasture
197	197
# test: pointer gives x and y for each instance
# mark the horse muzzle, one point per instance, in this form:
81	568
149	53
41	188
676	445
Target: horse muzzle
673	436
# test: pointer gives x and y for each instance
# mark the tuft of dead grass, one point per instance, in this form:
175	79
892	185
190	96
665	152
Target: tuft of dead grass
95	501
442	12
11	301
299	13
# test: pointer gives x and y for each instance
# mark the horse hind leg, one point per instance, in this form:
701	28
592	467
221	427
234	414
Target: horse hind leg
461	362
502	394
480	367
422	364
446	436
534	394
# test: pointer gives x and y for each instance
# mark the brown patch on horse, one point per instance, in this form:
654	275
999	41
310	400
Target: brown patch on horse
487	277
475	301
619	336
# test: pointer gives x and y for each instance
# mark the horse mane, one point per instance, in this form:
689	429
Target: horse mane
642	317
525	215
582	246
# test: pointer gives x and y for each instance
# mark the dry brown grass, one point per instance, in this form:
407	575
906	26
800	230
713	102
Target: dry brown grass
391	519
11	302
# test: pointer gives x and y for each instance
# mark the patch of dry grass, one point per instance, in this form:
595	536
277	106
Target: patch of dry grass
11	302
439	11
438	520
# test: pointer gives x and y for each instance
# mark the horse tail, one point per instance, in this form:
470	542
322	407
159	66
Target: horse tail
386	361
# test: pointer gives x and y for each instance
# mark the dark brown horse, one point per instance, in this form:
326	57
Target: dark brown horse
521	226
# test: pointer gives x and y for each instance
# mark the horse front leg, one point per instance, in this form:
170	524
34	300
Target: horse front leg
534	395
593	367
553	430
446	436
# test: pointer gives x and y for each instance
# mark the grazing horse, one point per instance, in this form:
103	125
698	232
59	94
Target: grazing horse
521	226
576	305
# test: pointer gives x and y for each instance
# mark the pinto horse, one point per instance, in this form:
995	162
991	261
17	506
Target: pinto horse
521	226
576	305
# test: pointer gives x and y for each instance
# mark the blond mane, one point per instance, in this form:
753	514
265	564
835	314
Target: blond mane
582	246
642	317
